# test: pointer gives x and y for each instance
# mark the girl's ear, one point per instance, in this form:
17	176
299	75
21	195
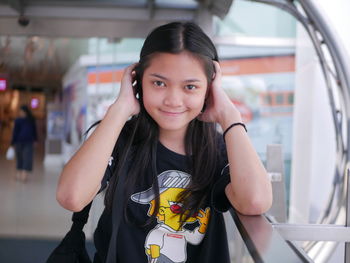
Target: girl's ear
211	81
214	71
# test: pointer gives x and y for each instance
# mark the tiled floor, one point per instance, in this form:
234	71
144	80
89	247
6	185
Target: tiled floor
30	209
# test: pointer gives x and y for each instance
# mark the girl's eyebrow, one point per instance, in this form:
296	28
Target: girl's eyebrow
158	76
192	80
164	78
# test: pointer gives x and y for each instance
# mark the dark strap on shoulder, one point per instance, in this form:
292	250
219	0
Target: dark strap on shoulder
117	212
80	218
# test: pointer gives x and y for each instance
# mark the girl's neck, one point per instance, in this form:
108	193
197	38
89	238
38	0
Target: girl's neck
173	140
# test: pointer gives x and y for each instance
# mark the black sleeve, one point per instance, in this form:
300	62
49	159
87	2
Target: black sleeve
219	200
218	197
113	160
108	173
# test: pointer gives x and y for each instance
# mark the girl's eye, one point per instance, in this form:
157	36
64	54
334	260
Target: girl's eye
159	83
191	87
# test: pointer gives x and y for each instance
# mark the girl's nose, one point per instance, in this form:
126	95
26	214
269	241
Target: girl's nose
173	98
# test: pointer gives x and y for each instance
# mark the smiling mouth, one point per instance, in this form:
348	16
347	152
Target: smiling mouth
170	113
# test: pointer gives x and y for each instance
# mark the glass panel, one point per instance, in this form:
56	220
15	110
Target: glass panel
177	4
251	19
322	252
236	245
260	78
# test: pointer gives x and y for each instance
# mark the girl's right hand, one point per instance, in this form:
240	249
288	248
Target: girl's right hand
126	97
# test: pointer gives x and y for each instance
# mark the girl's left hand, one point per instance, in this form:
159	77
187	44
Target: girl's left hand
219	107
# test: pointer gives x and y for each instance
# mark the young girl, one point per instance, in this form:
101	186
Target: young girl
181	172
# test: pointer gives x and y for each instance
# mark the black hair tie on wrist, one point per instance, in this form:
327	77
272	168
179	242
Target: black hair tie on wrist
233	125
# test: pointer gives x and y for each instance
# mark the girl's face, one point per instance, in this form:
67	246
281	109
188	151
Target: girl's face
174	89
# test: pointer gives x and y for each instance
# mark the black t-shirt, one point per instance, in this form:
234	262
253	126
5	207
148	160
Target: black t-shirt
202	239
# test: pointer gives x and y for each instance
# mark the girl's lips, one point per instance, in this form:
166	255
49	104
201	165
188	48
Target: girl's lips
171	113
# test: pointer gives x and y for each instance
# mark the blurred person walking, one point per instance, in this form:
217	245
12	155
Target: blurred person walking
23	137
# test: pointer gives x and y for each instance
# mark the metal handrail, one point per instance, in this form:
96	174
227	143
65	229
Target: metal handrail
264	243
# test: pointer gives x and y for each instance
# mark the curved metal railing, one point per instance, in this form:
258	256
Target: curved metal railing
336	70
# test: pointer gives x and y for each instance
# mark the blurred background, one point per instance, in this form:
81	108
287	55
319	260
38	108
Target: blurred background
64	59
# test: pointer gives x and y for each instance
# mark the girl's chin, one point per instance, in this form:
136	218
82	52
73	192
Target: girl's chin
171	127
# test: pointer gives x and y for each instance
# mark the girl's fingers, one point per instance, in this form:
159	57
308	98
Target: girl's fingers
216	98
128	77
129	72
127	93
131	67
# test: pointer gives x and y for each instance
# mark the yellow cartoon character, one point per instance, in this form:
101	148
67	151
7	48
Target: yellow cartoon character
167	242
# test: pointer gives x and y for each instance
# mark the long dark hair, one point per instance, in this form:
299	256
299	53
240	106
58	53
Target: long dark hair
142	132
27	112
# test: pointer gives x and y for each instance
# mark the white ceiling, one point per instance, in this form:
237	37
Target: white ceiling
40	39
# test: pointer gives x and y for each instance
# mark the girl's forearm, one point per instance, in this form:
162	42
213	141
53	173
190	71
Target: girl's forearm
250	191
81	177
